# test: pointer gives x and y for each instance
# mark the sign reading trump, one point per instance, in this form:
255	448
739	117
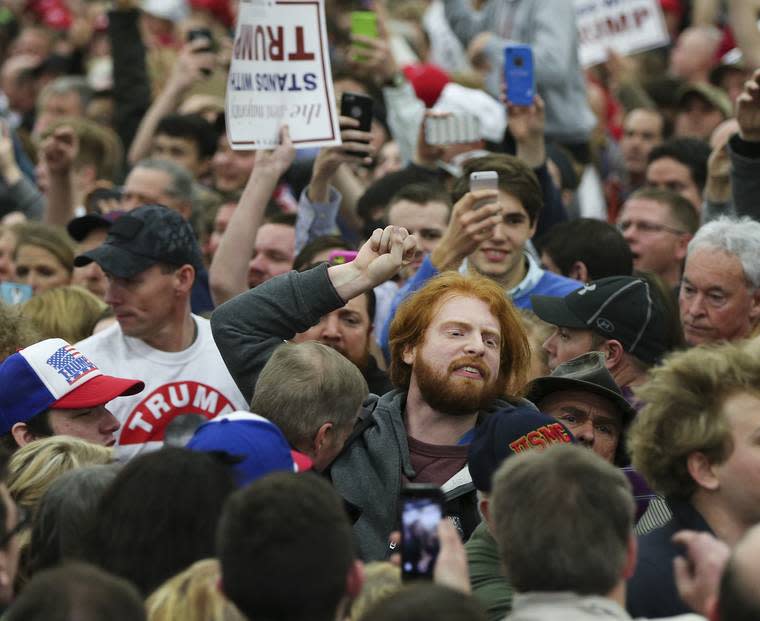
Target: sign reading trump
280	75
626	26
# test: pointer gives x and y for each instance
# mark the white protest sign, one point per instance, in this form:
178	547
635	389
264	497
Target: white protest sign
280	75
626	26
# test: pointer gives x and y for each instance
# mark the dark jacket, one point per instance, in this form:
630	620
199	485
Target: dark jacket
652	590
368	473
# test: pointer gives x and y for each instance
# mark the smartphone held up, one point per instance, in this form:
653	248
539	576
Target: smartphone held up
519	75
421	512
484	180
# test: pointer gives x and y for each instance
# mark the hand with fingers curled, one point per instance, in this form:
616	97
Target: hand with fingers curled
472	222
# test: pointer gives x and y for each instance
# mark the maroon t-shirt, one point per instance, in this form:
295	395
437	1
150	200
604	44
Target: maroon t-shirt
435	464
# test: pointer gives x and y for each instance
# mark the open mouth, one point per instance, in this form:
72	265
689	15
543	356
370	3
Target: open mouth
469	371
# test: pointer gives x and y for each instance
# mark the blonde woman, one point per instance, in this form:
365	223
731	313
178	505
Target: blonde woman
192	595
34	467
69	313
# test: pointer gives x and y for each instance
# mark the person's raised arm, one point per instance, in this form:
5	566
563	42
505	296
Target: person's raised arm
744	151
527	123
228	273
250	326
188	69
320	201
743	16
58	151
465	22
21	194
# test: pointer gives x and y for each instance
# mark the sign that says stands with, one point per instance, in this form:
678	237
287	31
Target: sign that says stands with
626	26
280	75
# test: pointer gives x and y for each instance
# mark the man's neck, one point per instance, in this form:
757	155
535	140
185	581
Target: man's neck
428	425
509	280
726	526
672	276
175	336
627	374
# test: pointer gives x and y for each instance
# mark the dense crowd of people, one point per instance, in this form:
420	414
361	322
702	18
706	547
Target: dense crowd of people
222	370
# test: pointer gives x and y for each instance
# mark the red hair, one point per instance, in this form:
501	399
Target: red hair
416	312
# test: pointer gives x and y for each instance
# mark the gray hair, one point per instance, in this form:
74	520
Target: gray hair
67	84
303	386
737	236
65	516
182	181
563	518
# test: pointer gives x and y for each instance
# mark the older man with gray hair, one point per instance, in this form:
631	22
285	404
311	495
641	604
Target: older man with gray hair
313	394
719	298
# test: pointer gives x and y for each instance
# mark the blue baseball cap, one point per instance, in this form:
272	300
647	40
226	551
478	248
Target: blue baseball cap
258	442
508	432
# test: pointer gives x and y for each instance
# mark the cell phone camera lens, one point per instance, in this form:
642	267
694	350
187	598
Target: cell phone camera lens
356	112
518	61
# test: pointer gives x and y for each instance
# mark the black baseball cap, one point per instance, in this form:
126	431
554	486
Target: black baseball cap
81	227
586	372
143	237
509	432
618	307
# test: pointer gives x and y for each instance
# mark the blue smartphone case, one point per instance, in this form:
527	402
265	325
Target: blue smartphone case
518	74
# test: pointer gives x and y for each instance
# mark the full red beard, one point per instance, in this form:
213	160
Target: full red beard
457	395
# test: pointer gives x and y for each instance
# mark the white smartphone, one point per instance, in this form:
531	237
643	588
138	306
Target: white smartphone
484	180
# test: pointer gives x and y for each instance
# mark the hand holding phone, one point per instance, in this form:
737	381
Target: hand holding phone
357	107
421	512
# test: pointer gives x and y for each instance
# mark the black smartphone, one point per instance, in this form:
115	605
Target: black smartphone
358	107
421	511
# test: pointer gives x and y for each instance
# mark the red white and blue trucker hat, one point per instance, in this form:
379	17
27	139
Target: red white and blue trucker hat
259	444
54	374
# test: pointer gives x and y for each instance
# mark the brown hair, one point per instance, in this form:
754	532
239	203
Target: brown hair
515	178
416	312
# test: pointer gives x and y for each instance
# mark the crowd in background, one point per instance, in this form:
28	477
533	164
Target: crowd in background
220	368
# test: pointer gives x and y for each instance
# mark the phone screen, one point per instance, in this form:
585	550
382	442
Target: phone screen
420	516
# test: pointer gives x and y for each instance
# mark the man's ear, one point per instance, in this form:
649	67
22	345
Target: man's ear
185	277
485	510
323	437
682	245
22	435
702	471
754	309
355	579
408	354
613	352
579	271
632	555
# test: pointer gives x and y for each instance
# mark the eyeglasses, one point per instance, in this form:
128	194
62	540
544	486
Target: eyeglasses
648	227
23	519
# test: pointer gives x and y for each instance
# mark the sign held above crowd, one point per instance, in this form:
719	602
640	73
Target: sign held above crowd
280	75
626	26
